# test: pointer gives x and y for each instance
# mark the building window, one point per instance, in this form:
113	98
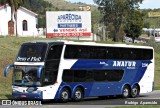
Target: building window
25	27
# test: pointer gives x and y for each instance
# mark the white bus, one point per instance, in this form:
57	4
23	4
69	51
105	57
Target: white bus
64	70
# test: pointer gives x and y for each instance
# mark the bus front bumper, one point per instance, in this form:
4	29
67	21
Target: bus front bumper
19	95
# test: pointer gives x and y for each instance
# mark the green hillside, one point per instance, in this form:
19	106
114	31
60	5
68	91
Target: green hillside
64	5
9	47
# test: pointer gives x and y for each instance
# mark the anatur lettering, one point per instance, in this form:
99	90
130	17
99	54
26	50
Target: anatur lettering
124	64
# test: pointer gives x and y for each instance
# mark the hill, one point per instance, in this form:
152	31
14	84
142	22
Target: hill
64	5
151	22
41	6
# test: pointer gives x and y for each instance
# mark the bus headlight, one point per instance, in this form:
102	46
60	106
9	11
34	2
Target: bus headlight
37	91
14	90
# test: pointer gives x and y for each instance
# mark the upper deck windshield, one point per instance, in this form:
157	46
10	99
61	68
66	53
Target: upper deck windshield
32	52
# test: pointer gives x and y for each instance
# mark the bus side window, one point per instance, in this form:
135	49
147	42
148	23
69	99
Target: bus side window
98	53
89	76
111	53
80	75
55	52
70	52
83	52
148	54
52	64
100	75
67	75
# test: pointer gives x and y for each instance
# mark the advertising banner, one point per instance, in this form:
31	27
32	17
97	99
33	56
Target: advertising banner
68	23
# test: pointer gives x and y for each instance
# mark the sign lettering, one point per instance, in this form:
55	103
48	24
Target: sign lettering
28	59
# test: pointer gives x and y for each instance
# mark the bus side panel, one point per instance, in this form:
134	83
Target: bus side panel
147	81
94	89
134	70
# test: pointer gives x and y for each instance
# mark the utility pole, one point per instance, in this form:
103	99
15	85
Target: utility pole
104	32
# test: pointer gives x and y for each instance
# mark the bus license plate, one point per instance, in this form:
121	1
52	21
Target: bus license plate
23	96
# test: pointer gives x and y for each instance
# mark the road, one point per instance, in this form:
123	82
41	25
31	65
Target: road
152	98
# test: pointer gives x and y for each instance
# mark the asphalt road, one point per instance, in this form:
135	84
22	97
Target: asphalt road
152	98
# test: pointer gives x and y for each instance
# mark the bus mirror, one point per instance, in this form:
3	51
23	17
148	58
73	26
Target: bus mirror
39	71
7	68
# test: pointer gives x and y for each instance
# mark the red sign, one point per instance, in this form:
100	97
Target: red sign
49	35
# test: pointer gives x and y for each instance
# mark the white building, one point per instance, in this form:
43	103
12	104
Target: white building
26	22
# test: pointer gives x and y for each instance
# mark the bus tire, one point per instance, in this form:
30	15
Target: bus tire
78	95
135	91
125	92
64	95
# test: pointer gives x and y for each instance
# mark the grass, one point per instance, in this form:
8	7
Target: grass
142	106
9	47
157	63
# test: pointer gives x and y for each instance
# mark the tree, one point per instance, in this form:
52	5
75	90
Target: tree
40	7
115	12
146	24
15	5
134	24
95	19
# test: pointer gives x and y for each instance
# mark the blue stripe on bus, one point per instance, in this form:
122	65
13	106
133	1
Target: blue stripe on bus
135	71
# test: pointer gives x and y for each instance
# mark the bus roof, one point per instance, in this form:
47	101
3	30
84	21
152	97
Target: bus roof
46	42
89	43
105	44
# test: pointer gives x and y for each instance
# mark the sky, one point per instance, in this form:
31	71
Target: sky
147	4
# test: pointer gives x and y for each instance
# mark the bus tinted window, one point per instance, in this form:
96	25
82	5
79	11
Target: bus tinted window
74	52
148	54
79	75
99	52
136	54
100	75
55	52
92	75
67	76
52	64
32	53
112	53
70	52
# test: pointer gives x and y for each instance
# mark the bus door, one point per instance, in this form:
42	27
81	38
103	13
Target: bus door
52	64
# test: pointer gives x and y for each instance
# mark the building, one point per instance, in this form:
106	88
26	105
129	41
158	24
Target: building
26	22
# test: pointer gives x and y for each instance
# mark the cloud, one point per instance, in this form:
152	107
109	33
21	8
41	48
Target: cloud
150	4
147	1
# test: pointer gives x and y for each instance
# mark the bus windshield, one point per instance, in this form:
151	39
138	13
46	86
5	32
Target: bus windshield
31	52
26	76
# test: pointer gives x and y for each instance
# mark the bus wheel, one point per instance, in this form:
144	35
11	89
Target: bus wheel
125	92
64	96
78	94
135	91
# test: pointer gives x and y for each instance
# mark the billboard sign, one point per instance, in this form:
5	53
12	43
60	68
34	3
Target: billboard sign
68	23
154	14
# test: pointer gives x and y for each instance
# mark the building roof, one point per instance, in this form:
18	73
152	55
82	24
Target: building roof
25	9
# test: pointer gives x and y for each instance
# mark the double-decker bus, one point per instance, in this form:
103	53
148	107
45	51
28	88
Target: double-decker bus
64	70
